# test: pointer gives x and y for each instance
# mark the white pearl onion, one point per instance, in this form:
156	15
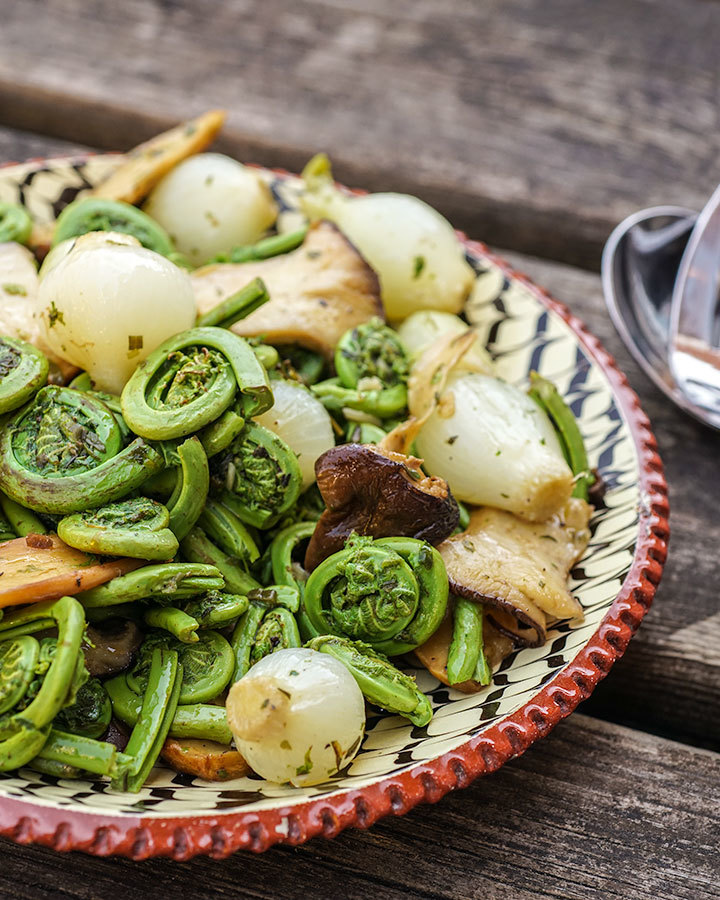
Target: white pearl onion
297	716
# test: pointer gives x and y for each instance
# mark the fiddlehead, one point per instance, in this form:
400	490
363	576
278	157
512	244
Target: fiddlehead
136	528
162	583
62	453
190	380
258	477
229	532
198	548
90	714
15	223
378	679
466	656
191	487
25	725
268	625
207	665
23	371
372	372
96	214
390	593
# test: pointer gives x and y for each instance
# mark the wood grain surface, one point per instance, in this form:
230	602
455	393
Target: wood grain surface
593	812
537	124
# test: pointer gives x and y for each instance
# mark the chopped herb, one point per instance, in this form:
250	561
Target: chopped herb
15	289
54	315
498	452
418	266
468	545
542	441
337	749
287	693
135	342
293	672
189	130
506	496
548	537
209	180
306	766
265	703
452	438
313	254
285	745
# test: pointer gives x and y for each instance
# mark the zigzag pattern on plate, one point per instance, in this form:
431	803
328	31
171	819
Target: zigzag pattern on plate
521	334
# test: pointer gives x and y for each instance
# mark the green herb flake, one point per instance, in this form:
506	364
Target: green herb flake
506	496
285	745
54	316
135	342
468	545
418	266
306	766
498	452
451	440
13	289
293	672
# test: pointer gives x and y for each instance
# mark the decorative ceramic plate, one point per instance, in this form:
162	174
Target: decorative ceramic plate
399	765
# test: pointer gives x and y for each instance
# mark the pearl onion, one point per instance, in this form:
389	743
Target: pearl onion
297	716
105	302
209	204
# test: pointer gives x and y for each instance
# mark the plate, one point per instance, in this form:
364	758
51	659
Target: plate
399	764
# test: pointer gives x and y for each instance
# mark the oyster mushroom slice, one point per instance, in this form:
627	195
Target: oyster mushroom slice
379	493
519	569
317	292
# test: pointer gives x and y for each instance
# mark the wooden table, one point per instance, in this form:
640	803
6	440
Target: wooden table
535	125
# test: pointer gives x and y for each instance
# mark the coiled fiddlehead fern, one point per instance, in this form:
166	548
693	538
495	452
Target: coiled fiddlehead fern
258	477
207	665
163	583
136	528
24	731
96	214
390	593
62	453
372	372
192	379
268	625
23	371
90	714
378	679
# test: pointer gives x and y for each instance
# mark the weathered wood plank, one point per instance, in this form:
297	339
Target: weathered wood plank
536	124
592	811
17	146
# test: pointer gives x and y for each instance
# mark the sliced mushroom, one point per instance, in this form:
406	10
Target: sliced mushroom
110	647
433	654
519	569
316	292
204	759
42	567
378	493
146	164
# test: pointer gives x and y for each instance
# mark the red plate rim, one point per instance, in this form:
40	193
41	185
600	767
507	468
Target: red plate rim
219	835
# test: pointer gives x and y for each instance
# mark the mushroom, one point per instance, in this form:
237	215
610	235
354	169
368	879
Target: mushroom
519	569
110	647
380	493
433	654
204	759
317	292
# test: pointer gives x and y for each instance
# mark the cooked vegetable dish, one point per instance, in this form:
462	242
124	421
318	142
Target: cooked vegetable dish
251	477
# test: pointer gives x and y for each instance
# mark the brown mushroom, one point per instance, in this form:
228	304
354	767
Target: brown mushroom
433	654
204	759
519	569
378	493
109	647
316	292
